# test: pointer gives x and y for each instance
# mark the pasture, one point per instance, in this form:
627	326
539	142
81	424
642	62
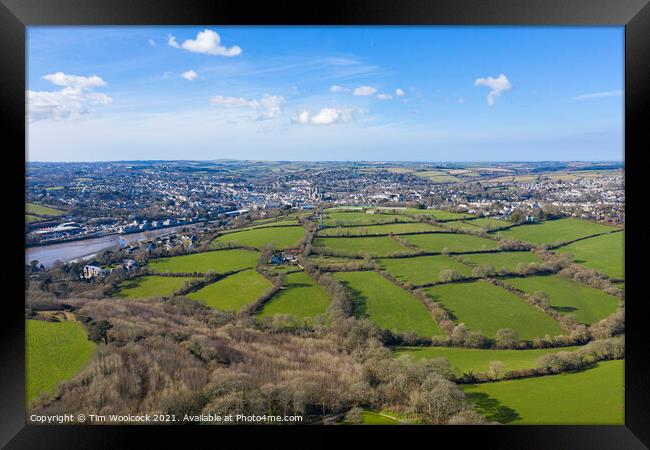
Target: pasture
394	228
555	231
337	218
502	260
593	396
302	297
150	286
456	243
233	292
373	246
478	360
486	308
489	224
588	304
280	237
421	269
387	305
41	210
220	261
605	253
54	352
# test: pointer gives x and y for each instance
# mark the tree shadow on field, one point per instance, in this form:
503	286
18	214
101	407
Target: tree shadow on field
357	299
492	408
564	309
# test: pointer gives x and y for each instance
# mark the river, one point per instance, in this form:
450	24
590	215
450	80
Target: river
87	248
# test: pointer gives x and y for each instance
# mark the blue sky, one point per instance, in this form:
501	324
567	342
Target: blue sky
325	93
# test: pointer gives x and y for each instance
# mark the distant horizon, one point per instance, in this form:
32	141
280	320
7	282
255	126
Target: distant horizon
335	161
316	93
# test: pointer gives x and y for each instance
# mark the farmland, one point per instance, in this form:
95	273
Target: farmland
387	305
55	351
302	297
151	286
221	261
334	219
41	210
280	237
505	260
486	308
422	269
394	228
233	292
478	360
452	242
555	231
593	396
374	246
589	305
605	253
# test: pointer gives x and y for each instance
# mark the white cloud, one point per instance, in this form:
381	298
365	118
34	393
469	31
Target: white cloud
152	42
326	116
384	96
75	99
363	91
599	95
497	86
75	81
171	41
399	92
267	107
189	75
337	88
208	42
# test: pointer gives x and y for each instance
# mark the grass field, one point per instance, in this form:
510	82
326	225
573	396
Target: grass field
553	231
221	261
476	360
374	246
234	292
361	218
150	286
486	308
507	260
54	352
278	223
593	396
421	269
387	305
605	253
453	242
589	305
281	237
489	224
373	418
29	218
33	208
302	297
395	228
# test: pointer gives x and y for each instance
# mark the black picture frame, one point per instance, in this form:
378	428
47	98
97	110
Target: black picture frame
16	15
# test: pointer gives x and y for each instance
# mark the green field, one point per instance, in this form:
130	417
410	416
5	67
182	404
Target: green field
281	237
486	308
395	228
29	218
489	224
302	297
220	261
33	208
594	396
387	305
234	292
278	223
589	305
605	253
422	269
54	352
438	214
150	286
374	246
476	360
506	260
453	242
361	218
373	418
555	231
